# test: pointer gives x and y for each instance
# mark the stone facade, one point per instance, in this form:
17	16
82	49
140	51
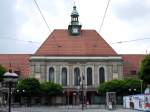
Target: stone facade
113	70
79	60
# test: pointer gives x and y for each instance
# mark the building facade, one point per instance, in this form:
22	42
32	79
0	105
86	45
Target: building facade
77	59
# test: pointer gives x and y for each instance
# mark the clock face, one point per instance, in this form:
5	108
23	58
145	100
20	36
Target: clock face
75	30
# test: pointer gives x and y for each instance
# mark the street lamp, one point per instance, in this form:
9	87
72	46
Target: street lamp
78	93
132	90
10	78
20	95
141	86
81	86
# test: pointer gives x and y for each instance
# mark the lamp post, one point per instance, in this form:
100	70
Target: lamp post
10	78
78	91
141	86
81	81
20	92
82	90
132	90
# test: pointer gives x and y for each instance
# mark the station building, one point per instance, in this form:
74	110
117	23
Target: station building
76	58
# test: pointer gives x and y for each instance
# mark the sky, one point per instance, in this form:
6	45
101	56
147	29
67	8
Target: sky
22	29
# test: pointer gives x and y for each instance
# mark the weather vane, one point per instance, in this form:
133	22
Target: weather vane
74	3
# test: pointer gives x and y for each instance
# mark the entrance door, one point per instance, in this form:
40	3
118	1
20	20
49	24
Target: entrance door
88	97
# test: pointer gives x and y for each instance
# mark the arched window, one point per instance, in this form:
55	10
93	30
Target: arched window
101	75
64	76
51	74
89	76
76	76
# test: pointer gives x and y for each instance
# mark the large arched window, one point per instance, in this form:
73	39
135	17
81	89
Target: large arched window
51	74
64	76
89	76
76	76
101	75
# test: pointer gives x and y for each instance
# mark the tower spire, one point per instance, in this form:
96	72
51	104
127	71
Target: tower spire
74	28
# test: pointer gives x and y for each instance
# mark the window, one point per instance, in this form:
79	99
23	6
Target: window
51	74
89	76
101	75
76	76
38	76
133	72
64	76
37	68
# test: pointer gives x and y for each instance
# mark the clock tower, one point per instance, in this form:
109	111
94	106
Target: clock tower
74	28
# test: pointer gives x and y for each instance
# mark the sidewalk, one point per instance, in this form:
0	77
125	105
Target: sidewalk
67	109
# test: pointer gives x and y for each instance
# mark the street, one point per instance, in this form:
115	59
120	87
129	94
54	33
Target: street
66	109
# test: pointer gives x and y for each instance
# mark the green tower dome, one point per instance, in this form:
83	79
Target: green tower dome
74	12
74	27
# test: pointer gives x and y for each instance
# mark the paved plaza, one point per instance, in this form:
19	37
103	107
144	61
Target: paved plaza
65	109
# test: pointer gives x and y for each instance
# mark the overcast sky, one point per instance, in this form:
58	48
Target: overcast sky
22	29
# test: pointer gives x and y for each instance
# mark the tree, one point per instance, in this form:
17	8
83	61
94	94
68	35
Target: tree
51	89
2	71
121	87
111	86
133	84
28	87
144	73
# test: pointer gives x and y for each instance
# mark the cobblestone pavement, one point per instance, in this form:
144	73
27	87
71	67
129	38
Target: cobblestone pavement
65	109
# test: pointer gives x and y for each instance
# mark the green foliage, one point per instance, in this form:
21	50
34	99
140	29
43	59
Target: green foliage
144	73
132	84
29	86
2	71
32	86
121	87
111	86
51	89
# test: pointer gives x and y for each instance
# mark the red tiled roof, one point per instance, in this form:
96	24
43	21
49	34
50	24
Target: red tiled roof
89	43
132	62
17	62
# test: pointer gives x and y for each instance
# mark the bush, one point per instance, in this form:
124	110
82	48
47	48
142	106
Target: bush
30	86
2	71
51	89
121	87
144	73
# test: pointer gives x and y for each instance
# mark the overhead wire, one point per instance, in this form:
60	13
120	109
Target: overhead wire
44	21
36	42
120	42
42	14
104	16
8	38
53	37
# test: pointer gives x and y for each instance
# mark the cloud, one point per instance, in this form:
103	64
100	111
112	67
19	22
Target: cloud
125	20
7	25
131	10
